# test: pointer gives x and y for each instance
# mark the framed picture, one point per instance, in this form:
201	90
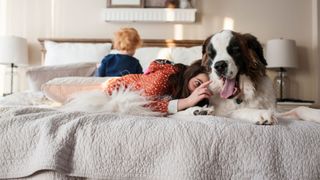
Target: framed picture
155	3
125	3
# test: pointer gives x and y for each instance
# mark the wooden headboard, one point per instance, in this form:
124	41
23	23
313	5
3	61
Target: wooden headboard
146	42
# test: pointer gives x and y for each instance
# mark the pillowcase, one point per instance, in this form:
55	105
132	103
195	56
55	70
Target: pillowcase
66	53
36	76
186	55
147	54
61	89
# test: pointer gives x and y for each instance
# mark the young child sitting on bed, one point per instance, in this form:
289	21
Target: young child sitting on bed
126	41
171	87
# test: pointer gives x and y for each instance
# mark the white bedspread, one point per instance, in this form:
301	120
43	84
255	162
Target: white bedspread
114	146
27	98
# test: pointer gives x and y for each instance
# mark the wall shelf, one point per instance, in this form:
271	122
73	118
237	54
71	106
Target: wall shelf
150	15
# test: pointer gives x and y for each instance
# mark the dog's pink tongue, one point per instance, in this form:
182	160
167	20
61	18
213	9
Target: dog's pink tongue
228	88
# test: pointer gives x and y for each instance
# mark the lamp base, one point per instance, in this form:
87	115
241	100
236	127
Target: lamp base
12	77
6	94
281	85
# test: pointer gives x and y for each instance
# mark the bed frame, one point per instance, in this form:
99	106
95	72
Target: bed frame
146	43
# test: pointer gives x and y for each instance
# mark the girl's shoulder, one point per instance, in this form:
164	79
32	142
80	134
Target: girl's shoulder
163	61
160	65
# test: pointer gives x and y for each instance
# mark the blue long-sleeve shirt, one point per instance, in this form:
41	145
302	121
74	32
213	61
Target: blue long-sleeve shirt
118	65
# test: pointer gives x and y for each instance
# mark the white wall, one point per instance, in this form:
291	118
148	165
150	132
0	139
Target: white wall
316	40
265	19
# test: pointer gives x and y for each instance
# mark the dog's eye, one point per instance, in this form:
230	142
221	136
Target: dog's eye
211	54
236	49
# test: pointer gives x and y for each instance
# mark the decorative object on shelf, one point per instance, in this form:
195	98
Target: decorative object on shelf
125	3
172	3
13	51
281	54
150	15
184	4
155	3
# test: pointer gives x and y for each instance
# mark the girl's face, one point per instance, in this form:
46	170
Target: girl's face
197	81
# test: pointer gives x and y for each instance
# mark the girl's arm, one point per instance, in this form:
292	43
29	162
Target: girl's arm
200	93
173	106
160	105
115	83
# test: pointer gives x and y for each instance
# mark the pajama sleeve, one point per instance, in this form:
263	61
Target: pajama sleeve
173	106
159	105
164	105
125	81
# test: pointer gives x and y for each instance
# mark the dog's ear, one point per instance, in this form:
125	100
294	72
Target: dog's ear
255	45
205	59
206	62
205	45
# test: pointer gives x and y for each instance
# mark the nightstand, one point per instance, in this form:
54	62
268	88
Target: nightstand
286	106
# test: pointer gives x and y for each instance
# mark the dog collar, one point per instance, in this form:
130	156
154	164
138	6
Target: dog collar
238	101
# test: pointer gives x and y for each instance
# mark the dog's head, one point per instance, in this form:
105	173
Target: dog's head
228	55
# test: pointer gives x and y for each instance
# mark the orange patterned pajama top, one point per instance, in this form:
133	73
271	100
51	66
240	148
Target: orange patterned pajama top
154	84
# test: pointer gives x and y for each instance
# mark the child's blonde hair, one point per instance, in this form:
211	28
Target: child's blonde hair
127	39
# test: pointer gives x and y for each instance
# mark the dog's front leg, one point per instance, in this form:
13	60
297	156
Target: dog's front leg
258	116
195	111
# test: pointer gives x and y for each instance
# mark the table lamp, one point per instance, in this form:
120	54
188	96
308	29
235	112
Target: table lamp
13	51
281	54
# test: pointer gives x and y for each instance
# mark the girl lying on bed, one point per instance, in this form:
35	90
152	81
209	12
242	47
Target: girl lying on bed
164	88
169	87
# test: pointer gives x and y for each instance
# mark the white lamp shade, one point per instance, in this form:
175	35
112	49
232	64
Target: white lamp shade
281	53
13	50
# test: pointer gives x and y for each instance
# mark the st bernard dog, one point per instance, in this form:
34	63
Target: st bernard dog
241	88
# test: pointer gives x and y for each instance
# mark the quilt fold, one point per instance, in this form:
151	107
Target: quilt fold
106	145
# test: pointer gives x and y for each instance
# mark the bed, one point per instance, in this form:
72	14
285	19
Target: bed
40	142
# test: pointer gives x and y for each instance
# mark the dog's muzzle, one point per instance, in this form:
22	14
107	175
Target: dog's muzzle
221	68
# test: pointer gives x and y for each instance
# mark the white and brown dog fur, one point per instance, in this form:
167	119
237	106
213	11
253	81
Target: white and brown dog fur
241	88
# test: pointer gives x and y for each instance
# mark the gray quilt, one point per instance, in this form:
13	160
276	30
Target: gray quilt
101	145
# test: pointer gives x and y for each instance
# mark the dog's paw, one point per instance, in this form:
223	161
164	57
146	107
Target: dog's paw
203	111
266	117
194	111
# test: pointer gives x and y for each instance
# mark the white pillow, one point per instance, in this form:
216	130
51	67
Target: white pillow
39	75
147	54
66	53
61	89
186	55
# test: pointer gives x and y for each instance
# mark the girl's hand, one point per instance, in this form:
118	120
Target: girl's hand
199	94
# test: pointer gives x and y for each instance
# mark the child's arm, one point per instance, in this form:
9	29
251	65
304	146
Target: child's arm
102	69
139	69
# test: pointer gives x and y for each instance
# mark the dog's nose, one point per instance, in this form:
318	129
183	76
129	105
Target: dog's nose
221	67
